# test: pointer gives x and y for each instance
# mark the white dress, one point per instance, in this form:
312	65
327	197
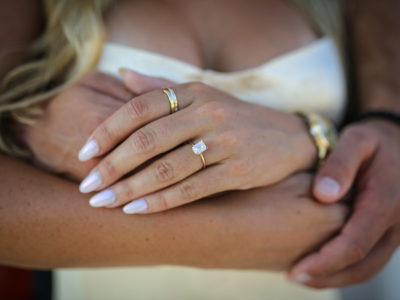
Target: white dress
310	78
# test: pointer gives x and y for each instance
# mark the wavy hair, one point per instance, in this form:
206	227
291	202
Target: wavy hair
69	47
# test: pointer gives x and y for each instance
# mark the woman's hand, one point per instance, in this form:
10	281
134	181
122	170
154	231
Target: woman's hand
68	120
367	155
248	146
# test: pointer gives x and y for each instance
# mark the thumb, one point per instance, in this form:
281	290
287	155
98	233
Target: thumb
336	176
139	83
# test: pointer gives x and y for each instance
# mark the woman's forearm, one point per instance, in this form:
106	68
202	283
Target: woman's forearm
45	222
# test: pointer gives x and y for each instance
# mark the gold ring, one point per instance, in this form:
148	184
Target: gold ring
198	149
173	101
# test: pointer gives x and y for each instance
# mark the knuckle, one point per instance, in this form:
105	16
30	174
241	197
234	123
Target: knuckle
356	252
214	110
162	202
125	191
103	134
188	191
137	108
240	168
197	86
164	171
229	140
108	168
144	140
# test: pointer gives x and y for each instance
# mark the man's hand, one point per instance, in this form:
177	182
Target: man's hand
368	155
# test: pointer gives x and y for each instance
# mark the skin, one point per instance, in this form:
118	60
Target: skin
41	209
46	223
145	128
12	176
195	42
366	157
55	138
13	46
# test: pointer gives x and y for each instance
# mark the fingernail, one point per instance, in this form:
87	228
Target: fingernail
135	206
103	198
301	278
88	151
90	183
328	187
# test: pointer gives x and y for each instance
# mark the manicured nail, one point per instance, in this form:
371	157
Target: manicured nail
301	278
103	198
90	183
328	187
88	151
136	206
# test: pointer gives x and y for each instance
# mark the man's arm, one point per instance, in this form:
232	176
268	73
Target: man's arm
366	157
375	31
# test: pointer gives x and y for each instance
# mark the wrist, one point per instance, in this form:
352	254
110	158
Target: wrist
382	119
322	133
384	126
305	145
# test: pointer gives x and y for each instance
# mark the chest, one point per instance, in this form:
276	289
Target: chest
223	35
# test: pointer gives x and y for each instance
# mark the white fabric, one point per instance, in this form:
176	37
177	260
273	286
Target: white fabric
310	78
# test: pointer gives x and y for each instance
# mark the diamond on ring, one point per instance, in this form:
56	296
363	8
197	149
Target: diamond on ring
199	147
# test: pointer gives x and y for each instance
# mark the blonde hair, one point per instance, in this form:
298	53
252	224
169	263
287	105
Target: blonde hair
69	47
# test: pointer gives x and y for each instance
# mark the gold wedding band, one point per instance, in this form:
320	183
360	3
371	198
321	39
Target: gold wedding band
173	101
198	149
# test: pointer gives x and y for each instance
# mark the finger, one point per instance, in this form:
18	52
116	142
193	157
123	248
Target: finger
361	271
337	174
139	83
168	170
352	245
202	184
144	144
106	84
133	115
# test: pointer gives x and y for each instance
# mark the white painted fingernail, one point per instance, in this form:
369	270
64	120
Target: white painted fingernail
328	187
103	198
136	206
301	278
89	150
90	183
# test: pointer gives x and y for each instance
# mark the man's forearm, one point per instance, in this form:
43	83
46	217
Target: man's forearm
375	38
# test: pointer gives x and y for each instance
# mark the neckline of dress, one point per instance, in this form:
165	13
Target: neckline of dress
281	57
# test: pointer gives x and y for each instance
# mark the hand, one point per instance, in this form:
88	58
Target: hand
278	224
68	120
249	146
367	155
